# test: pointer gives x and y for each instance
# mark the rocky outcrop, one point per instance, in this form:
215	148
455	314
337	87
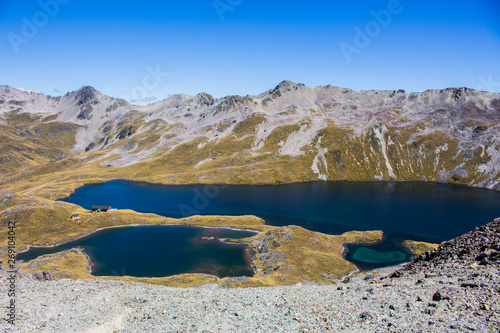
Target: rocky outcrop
86	95
463	276
119	103
480	247
44	276
85	98
271	240
268	258
125	132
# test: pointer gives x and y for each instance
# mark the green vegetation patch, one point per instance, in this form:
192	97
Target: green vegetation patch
249	125
419	247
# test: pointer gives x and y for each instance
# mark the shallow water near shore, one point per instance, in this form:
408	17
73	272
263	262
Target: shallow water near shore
403	210
389	252
157	251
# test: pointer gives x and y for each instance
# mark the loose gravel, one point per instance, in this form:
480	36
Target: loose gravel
456	288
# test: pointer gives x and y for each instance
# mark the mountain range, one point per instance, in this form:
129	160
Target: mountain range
287	134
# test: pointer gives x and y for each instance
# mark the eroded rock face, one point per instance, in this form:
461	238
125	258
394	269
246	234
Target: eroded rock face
126	132
119	103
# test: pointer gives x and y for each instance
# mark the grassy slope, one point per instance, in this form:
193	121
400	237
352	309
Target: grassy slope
419	247
233	159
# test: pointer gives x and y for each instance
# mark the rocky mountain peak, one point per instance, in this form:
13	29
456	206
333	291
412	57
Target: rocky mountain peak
88	89
285	84
4	87
85	98
86	95
204	99
284	87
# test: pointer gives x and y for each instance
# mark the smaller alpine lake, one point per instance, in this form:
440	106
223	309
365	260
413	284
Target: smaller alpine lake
158	251
389	252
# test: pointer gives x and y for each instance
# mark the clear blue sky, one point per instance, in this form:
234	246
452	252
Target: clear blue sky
109	45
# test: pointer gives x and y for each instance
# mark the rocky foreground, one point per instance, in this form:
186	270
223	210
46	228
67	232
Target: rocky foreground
453	288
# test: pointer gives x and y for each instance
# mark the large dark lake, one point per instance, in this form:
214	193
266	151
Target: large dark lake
403	210
156	251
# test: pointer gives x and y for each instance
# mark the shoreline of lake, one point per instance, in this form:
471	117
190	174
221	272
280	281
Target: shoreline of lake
93	257
135	225
145	182
409	210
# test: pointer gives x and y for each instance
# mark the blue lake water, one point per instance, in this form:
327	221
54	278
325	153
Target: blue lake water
156	251
403	210
387	253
